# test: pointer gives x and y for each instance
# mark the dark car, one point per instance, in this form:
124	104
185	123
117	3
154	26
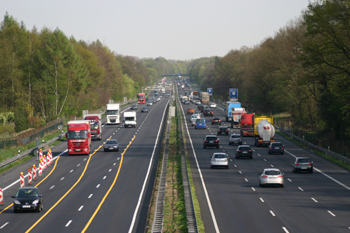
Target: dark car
303	164
28	198
223	130
235	138
208	112
133	107
276	147
111	145
186	102
144	109
244	151
200	106
216	120
211	140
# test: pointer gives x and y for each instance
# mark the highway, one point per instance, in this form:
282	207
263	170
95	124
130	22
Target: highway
105	191
232	201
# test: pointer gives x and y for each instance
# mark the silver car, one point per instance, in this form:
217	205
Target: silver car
303	164
271	176
219	160
193	121
235	139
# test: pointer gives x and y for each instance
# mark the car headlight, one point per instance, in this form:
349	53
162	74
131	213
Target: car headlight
36	202
17	202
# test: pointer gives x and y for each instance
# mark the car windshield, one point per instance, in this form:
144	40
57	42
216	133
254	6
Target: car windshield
303	160
134	106
94	125
82	134
200	121
27	193
272	172
244	148
220	156
111	142
112	112
277	144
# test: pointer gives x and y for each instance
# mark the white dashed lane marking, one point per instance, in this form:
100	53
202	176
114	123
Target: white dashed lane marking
90	195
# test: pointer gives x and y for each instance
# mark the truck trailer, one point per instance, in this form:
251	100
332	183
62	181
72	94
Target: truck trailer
78	137
236	114
247	128
264	131
204	97
95	125
113	113
228	111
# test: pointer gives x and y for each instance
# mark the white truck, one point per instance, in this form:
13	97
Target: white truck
163	90
130	119
113	113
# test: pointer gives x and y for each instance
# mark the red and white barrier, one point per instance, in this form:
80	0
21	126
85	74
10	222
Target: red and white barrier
44	163
50	154
40	167
21	178
1	197
41	153
34	172
30	178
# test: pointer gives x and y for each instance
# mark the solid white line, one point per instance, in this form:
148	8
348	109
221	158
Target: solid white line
17	181
272	213
328	176
262	200
90	195
52	186
68	223
289	180
81	207
314	199
4	225
301	189
62	178
147	174
98	186
104	177
331	213
71	171
201	177
285	230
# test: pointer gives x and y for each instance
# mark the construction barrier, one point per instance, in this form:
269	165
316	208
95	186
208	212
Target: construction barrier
44	163
49	158
1	197
30	178
40	167
21	178
41	153
34	172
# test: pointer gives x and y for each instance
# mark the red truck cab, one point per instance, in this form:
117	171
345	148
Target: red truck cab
78	137
247	128
141	98
95	125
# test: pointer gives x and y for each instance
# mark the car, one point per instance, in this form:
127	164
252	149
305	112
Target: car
235	138
303	164
244	151
144	109
208	112
197	102
211	141
111	145
271	176
193	121
200	124
219	159
186	102
200	106
222	130
212	105
195	116
28	198
133	107
276	147
149	103
190	110
216	120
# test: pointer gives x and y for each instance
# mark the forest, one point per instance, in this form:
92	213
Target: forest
303	70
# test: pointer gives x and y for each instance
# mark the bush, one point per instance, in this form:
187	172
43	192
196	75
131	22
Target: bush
21	119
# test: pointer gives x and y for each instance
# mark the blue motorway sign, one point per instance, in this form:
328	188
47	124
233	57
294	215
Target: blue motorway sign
233	93
210	90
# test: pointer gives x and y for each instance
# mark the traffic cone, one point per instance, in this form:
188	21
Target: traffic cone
40	167
1	197
30	178
22	180
34	172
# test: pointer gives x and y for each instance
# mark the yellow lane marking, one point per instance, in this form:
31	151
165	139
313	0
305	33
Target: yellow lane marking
37	183
81	176
109	190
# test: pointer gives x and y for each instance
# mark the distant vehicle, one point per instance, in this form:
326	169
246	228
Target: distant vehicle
211	141
247	128
200	106
216	120
144	109
219	160
133	107
141	98
264	131
95	125
195	116
303	164
190	110
113	113
200	124
198	102
212	105
244	151
235	139
271	176
111	145
276	147
228	110
78	137
193	121
28	198
204	97
222	130
149	103
130	119
208	112
186	102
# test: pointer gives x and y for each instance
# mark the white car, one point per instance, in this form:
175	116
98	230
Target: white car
193	121
219	160
195	116
213	105
271	176
198	102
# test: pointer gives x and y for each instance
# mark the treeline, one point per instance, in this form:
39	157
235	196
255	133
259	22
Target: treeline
45	75
303	70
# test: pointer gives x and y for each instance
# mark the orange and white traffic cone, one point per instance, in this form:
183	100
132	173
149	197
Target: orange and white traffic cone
1	197
34	172
21	179
40	167
30	178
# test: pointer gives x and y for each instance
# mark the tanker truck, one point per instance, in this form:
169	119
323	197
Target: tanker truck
247	128
263	130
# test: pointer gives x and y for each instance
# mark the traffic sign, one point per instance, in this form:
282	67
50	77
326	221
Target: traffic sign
210	90
234	93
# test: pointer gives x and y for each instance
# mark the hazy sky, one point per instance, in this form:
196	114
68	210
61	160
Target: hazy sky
180	30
